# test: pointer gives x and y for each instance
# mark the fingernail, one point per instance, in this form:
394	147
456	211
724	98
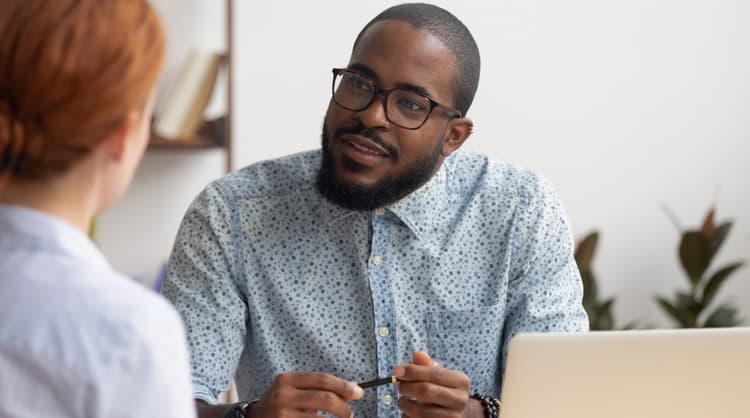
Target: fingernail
358	391
399	371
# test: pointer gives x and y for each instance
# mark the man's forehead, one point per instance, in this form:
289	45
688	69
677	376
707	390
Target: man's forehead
397	52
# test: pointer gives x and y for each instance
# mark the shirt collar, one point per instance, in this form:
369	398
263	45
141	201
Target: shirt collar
331	212
421	209
38	231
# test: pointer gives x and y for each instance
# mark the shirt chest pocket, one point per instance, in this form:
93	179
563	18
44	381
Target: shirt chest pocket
469	341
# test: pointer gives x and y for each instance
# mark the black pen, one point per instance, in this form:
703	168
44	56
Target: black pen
377	382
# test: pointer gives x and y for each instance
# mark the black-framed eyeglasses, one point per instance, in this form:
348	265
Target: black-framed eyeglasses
405	108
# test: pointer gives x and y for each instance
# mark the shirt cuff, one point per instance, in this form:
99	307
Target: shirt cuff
204	393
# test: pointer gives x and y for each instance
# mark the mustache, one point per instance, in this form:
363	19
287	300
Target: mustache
368	133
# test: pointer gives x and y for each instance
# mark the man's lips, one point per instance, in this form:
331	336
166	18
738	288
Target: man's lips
365	144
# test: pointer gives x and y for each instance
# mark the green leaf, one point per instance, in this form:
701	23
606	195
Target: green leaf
605	308
602	318
679	316
709	227
715	282
723	316
684	301
585	250
695	254
719	236
688	305
604	323
92	229
590	295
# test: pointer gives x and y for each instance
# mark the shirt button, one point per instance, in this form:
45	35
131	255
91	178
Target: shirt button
377	260
380	211
387	399
384	331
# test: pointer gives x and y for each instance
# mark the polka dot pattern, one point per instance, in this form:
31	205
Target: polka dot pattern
270	277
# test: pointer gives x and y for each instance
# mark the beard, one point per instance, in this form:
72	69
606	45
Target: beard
387	190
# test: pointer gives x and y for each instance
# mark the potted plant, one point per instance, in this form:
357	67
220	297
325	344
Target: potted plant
698	248
599	311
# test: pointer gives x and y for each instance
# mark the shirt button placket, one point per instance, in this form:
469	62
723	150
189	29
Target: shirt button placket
383	308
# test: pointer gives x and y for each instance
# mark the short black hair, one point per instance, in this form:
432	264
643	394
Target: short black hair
450	31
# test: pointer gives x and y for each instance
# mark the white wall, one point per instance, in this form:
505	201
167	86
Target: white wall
625	106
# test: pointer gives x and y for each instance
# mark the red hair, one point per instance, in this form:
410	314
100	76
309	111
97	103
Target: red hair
70	73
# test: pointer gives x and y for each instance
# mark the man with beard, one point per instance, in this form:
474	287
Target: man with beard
387	252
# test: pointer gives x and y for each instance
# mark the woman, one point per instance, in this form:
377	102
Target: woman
78	339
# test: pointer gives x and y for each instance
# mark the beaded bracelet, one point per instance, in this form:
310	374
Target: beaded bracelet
490	405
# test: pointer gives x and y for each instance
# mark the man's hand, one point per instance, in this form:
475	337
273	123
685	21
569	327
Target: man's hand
304	394
428	390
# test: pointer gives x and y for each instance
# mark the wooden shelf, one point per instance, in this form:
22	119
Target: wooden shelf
209	137
195	143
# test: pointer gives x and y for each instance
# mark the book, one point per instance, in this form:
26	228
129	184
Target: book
187	100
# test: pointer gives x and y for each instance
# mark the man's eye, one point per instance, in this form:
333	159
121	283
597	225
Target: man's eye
359	84
410	105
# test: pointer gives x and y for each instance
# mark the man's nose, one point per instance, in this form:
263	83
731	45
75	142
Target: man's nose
373	116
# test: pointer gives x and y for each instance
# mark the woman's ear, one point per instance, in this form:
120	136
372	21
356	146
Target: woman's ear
459	130
119	139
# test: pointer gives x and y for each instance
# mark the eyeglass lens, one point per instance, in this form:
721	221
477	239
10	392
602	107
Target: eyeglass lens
403	107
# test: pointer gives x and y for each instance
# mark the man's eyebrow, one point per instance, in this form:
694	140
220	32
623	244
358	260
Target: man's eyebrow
416	89
368	72
365	70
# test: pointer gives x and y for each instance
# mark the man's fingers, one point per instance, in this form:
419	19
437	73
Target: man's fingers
421	358
315	400
438	375
303	394
424	359
430	393
345	389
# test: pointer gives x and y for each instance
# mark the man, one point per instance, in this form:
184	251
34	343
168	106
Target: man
386	253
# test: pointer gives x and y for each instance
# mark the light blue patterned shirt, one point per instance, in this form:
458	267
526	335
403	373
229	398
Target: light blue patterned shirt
270	277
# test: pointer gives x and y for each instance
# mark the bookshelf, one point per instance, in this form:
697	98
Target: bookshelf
196	142
202	140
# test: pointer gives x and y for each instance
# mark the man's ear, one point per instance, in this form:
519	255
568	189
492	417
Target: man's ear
459	130
119	139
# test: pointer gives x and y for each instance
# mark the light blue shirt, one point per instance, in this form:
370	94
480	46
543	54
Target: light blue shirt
77	339
271	277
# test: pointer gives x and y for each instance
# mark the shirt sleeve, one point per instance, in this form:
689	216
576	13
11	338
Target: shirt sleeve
545	291
201	283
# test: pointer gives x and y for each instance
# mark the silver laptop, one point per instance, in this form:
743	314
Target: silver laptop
699	373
